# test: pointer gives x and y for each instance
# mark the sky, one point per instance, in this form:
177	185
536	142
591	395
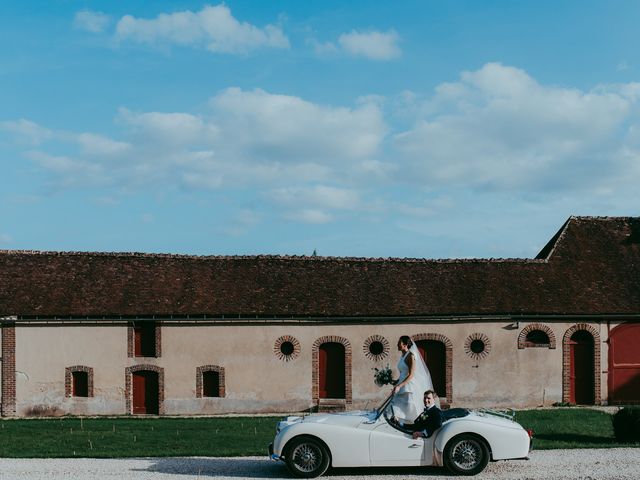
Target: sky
422	129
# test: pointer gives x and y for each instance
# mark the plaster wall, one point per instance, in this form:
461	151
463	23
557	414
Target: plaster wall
256	380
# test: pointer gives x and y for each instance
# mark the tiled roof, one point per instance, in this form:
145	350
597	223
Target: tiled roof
591	266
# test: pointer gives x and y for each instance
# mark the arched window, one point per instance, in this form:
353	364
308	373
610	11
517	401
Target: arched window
536	335
78	381
537	338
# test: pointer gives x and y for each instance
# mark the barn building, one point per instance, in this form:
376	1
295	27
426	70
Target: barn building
131	333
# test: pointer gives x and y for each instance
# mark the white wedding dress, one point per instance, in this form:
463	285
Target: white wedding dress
408	403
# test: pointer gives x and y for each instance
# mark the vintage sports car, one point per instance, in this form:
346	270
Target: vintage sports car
464	444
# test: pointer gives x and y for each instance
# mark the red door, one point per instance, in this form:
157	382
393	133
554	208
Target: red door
145	393
624	364
331	370
434	354
581	368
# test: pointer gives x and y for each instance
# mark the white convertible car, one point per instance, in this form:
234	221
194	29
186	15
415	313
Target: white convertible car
464	444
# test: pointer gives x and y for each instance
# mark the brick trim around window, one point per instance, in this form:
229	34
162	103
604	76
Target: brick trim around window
131	340
448	352
566	361
522	338
128	374
8	369
210	368
315	374
68	379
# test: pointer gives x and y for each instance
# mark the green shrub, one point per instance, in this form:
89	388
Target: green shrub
626	424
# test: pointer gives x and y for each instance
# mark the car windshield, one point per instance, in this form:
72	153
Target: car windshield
384	405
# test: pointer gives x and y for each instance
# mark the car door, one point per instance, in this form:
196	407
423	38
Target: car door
388	446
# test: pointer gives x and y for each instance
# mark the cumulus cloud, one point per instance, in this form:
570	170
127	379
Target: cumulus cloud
495	129
499	128
26	131
373	45
90	21
290	128
213	28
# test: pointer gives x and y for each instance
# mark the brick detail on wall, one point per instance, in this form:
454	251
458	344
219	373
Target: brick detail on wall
566	361
129	389
522	338
68	379
131	340
315	375
8	369
366	348
277	348
448	345
210	368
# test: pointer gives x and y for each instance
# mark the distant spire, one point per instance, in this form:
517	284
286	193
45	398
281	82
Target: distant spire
314	254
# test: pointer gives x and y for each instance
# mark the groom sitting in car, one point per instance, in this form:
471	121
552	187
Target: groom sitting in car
428	421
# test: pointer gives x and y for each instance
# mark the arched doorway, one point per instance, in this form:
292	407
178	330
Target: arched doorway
331	370
435	356
145	393
581	368
624	364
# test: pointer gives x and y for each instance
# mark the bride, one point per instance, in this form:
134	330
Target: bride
414	381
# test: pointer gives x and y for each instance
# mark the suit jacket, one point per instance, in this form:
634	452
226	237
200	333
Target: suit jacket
428	421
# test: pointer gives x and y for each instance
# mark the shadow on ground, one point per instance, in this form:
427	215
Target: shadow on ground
263	468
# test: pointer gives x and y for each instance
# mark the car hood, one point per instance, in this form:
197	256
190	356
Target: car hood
345	419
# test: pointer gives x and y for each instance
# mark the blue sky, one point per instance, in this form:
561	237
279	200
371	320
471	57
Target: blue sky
448	129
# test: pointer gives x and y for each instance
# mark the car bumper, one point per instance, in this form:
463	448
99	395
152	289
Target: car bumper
272	455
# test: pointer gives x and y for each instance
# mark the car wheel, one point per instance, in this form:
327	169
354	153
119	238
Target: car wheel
466	455
307	457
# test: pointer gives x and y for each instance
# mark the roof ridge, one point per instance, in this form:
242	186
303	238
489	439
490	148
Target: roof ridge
267	257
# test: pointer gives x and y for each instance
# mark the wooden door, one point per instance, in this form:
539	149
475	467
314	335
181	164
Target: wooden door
145	393
581	368
624	364
331	375
434	354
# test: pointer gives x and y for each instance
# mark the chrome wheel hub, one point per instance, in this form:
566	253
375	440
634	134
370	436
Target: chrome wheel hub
307	457
467	455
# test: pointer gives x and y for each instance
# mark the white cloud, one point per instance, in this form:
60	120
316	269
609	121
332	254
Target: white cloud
310	216
373	45
498	128
290	128
27	131
94	22
321	196
213	28
5	239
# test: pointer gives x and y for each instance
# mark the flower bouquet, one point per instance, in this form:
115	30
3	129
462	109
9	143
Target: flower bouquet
383	376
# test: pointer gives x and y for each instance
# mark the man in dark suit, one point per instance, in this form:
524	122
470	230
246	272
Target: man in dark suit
429	420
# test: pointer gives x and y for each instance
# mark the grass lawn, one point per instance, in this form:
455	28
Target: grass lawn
240	436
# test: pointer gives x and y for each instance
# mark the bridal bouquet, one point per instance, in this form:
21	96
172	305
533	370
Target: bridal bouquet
383	376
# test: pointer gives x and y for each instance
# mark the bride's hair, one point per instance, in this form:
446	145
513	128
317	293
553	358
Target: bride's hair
406	340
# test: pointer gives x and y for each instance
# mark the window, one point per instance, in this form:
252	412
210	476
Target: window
537	338
80	384
210	381
210	384
144	341
78	381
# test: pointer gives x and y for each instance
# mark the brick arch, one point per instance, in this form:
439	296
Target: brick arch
448	345
315	374
566	360
522	338
210	368
68	379
128	373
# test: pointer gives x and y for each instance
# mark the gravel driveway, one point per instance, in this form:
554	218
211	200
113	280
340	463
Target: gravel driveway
601	464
